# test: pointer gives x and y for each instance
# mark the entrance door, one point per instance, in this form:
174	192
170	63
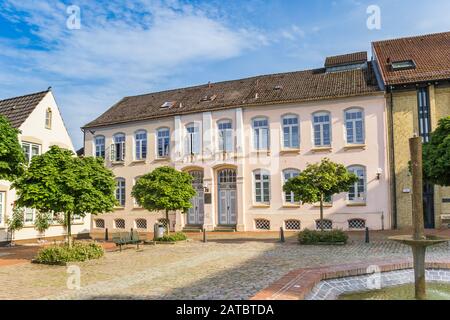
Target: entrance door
428	205
196	213
227	197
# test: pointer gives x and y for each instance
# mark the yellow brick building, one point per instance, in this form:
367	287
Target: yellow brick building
417	84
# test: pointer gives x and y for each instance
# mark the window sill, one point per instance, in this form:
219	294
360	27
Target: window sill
261	152
162	159
261	206
291	206
135	208
356	204
322	149
138	161
119	208
118	163
355	147
325	205
290	151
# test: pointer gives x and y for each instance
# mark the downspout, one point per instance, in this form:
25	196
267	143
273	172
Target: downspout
392	160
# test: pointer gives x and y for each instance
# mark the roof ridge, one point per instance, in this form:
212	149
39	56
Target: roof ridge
26	95
413	37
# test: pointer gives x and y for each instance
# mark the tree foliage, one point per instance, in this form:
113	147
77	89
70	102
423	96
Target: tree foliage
16	221
436	155
12	158
319	181
164	189
59	182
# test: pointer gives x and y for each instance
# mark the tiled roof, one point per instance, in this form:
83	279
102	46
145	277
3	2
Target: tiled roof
268	89
351	58
430	53
18	109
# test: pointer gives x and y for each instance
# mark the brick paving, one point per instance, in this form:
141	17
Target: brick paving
231	266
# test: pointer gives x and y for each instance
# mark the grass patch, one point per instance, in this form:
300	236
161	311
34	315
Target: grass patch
173	237
321	237
62	254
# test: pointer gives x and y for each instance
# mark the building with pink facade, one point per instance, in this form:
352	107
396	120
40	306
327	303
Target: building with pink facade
242	139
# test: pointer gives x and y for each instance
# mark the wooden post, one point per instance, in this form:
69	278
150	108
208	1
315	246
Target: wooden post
282	239
204	235
106	234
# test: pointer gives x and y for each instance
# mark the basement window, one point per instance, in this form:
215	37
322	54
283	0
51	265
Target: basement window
403	65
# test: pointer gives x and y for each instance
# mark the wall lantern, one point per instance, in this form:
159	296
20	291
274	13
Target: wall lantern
379	173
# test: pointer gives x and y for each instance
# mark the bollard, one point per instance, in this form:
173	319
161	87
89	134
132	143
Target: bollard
204	235
106	234
282	235
367	235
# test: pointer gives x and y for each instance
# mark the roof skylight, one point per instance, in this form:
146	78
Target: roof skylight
168	104
403	65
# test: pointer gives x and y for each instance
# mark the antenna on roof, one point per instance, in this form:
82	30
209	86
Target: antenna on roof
209	84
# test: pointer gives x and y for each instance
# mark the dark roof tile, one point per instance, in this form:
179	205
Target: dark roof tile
18	109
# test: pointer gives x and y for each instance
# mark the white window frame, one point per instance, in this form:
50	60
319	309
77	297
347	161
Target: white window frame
359	197
292	171
118	145
165	149
121	195
321	132
139	145
26	212
97	146
257	134
192	140
2	207
290	134
30	146
229	134
354	123
260	183
48	118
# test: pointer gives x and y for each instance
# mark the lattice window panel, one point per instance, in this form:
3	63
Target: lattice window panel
262	224
100	223
164	222
292	225
356	224
120	224
324	224
141	224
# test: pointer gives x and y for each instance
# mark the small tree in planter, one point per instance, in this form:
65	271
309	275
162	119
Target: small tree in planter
42	223
57	181
164	189
319	181
15	222
12	158
436	155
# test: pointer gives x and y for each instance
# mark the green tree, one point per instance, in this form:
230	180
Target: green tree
436	155
59	182
42	222
15	221
319	181
164	189
12	158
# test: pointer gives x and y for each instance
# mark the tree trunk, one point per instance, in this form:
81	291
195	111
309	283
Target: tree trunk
69	230
168	222
321	212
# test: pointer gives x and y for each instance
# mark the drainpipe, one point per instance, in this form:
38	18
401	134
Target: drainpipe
392	160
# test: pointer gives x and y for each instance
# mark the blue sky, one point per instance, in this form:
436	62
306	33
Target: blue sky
132	47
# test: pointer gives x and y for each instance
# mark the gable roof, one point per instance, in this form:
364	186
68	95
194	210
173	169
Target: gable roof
430	54
288	87
345	59
18	109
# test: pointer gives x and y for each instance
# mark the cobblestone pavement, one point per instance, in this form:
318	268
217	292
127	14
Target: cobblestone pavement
191	270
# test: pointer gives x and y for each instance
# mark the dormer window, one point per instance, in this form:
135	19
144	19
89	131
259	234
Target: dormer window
403	65
168	104
48	118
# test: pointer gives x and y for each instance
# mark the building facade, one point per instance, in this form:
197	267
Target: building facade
242	139
38	118
415	73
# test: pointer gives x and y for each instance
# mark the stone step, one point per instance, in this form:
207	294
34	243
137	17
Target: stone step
192	229
225	229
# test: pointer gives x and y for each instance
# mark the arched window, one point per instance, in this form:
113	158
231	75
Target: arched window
289	174
356	224
192	139
291	135
141	224
118	147
140	138
163	142
48	118
354	126
120	191
119	224
357	192
225	130
292	225
261	133
99	223
99	142
322	129
262	186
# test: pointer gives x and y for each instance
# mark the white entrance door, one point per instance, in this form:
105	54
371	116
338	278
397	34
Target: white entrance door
227	197
196	213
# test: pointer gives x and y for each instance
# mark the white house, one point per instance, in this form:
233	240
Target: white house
38	118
